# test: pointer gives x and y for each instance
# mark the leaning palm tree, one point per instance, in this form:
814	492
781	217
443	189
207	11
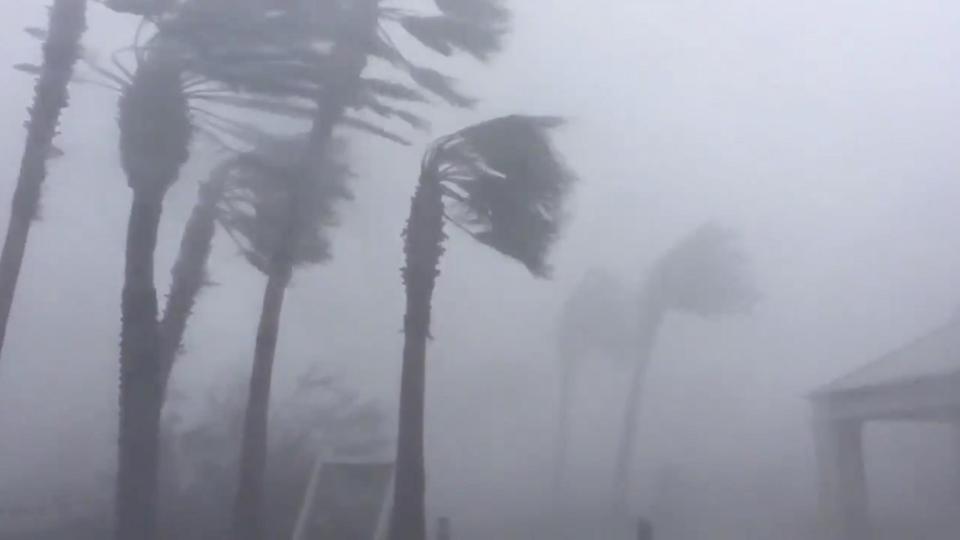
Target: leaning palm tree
260	190
61	49
503	184
706	274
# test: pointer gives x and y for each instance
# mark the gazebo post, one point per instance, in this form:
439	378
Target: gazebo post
842	485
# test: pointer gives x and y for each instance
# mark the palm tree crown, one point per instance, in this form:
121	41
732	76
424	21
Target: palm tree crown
705	274
504	184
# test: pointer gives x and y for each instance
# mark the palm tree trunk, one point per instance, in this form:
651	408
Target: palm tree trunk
423	246
60	51
332	102
650	318
139	377
247	518
189	276
568	359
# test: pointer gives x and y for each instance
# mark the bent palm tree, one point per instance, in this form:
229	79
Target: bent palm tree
502	183
260	192
60	52
594	319
706	275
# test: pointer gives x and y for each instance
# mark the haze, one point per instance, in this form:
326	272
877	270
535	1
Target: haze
823	133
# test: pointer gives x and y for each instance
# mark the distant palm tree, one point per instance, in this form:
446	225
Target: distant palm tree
502	183
61	49
596	318
705	274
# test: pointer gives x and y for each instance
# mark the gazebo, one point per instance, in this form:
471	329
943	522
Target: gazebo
919	381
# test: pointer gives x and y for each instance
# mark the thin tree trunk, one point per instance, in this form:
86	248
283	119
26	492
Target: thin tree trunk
568	367
332	102
424	246
650	317
247	520
60	51
189	276
139	377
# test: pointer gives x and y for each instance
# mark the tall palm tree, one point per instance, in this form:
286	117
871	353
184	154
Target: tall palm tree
594	319
61	49
706	274
189	274
255	210
503	184
155	133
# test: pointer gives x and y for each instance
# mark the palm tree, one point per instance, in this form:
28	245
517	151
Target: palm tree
594	319
155	133
262	187
61	49
189	274
502	183
705	274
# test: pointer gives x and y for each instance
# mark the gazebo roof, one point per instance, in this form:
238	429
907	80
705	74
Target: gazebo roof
919	380
935	354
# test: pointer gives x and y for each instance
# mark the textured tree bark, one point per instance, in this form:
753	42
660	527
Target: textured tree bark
139	377
651	315
247	517
189	277
60	52
424	246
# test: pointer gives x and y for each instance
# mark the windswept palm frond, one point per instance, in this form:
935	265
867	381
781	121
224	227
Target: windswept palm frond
505	185
487	12
255	209
706	274
446	34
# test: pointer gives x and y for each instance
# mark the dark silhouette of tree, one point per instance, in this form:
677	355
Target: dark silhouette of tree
262	187
594	319
501	183
189	274
61	48
706	274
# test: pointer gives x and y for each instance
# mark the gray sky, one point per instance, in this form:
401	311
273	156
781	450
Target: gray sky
823	131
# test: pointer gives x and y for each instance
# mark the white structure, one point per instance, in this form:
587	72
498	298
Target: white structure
346	500
917	382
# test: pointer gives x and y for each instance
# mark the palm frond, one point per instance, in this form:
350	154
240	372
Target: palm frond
262	185
445	35
489	12
505	184
439	84
373	129
706	274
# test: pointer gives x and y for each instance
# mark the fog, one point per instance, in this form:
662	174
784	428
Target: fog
822	133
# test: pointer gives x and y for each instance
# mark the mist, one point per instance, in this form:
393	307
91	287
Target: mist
820	136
